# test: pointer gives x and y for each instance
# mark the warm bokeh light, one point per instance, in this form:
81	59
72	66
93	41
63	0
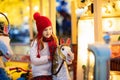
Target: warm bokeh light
36	8
85	37
91	64
16	10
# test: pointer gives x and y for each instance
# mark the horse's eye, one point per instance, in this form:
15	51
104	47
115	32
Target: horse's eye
62	49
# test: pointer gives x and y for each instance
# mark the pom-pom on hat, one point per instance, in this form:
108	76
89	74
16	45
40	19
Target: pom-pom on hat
41	23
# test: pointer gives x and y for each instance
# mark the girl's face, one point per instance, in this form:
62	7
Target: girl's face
47	32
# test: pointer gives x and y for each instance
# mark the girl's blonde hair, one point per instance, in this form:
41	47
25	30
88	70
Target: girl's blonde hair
39	40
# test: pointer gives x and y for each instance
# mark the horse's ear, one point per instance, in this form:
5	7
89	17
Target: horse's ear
68	41
62	41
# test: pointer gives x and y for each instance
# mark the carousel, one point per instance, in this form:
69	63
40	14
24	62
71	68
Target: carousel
94	35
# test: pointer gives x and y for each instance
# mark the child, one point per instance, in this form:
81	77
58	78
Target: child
42	49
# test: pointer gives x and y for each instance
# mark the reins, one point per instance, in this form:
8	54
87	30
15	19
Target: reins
59	68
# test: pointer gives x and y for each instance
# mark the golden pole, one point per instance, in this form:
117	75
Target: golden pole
30	21
52	14
41	6
98	20
74	37
74	23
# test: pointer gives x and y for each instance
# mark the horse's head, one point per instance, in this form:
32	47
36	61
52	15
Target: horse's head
65	52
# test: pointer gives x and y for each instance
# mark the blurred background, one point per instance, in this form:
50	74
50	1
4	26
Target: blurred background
19	13
84	21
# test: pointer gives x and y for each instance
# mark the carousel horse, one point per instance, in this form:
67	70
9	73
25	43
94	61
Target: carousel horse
4	56
5	48
62	58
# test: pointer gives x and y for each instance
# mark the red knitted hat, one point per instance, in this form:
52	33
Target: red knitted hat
41	23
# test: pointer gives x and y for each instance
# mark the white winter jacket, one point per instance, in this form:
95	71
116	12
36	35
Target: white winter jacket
40	66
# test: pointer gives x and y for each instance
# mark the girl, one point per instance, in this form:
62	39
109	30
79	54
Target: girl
42	49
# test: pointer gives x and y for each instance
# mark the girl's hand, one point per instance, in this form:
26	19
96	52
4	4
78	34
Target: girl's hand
49	58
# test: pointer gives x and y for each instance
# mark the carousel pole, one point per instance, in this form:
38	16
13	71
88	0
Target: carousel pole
30	21
74	37
52	13
41	6
98	20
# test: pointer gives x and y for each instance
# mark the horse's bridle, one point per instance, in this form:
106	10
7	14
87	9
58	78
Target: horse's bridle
60	53
59	68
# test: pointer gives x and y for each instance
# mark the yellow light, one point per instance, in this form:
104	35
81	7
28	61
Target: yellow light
92	59
27	8
85	37
117	6
36	8
103	9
